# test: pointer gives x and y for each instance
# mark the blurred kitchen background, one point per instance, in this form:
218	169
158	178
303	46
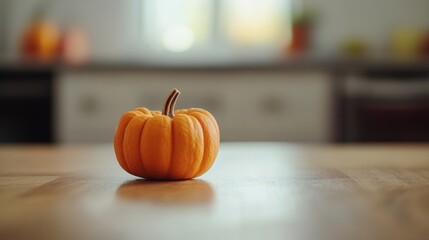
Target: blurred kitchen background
269	70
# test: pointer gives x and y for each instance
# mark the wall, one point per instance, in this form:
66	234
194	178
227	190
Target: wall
374	20
337	19
112	25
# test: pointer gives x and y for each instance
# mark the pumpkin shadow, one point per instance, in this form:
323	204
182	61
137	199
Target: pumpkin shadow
187	192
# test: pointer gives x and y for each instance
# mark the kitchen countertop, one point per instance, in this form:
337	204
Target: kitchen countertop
253	191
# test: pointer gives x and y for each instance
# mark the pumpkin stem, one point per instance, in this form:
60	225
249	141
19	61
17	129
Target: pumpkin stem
170	102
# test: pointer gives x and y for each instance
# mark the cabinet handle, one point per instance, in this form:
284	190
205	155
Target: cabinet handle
88	105
273	106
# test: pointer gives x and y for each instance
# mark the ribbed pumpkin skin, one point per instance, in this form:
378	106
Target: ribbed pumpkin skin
154	146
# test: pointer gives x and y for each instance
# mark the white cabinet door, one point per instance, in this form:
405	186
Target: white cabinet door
279	106
248	105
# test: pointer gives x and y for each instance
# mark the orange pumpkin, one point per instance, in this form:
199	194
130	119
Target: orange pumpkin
172	145
41	41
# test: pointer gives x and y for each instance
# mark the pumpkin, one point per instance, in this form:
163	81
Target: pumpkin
41	41
172	145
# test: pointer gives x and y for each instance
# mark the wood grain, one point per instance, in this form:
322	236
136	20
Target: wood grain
254	191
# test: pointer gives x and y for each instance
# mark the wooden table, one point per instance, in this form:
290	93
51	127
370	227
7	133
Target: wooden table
254	191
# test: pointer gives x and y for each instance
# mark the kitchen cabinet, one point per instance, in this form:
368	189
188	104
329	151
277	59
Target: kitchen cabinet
386	106
249	105
26	105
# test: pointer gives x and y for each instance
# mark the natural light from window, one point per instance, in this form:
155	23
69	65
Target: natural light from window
176	25
250	22
179	26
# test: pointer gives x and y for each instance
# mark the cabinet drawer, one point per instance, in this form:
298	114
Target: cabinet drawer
248	105
280	106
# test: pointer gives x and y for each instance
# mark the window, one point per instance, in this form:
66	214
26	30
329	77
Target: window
205	25
177	25
256	22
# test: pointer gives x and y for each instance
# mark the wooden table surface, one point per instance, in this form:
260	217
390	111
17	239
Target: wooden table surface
254	191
